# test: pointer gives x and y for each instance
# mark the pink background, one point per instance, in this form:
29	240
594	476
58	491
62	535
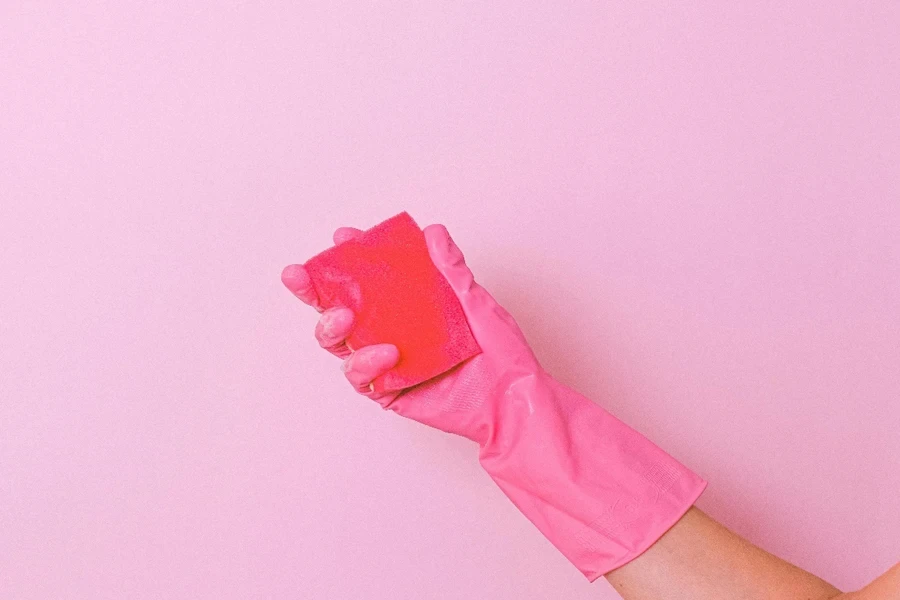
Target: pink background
709	190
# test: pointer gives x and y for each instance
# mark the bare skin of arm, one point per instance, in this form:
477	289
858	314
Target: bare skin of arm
886	587
699	559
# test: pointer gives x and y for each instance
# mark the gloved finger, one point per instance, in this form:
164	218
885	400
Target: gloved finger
367	363
332	330
297	280
448	258
343	234
476	301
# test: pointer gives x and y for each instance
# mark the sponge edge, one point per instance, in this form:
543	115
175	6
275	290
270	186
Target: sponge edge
386	277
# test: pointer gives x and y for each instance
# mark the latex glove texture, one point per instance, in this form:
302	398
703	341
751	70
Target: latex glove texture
597	489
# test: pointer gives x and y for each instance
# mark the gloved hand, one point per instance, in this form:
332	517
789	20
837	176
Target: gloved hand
597	489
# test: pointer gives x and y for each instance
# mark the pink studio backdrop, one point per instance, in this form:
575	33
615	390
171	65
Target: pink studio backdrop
710	191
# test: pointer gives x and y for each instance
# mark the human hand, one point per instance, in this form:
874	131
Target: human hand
456	400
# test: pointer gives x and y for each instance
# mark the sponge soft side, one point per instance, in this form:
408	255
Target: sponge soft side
386	277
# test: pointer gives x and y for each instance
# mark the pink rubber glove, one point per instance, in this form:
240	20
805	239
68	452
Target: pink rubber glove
598	490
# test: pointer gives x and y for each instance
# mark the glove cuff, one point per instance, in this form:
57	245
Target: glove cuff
601	492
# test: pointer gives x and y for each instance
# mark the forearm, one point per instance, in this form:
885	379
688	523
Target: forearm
699	559
600	491
886	587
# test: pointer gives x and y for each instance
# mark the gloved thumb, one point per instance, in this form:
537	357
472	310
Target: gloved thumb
448	258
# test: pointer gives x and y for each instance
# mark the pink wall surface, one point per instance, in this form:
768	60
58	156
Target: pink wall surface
710	189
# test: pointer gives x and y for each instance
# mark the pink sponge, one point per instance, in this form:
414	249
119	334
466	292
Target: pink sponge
399	297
